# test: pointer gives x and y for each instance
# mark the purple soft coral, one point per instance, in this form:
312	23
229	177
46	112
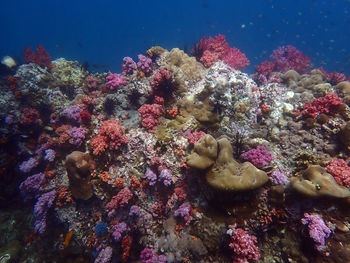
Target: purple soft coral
144	64
41	209
318	230
128	66
288	57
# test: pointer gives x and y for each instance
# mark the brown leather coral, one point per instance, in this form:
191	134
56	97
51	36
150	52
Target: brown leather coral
225	172
315	181
78	165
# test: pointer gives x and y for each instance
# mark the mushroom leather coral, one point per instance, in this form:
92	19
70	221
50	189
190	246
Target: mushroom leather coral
78	165
315	181
226	173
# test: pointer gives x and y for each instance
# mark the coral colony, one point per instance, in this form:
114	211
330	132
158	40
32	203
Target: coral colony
179	158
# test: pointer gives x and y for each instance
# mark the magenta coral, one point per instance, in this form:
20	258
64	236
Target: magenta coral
209	51
114	81
236	59
318	230
340	171
149	115
258	156
243	245
288	57
328	104
120	200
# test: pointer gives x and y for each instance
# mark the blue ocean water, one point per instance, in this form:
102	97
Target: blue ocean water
102	33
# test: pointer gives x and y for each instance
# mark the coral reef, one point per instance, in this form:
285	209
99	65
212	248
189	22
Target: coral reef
175	159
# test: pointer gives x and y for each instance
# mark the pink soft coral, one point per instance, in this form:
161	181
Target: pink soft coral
243	246
210	50
150	114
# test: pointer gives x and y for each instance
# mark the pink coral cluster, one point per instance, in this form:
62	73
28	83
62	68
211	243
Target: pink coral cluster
340	171
91	82
328	104
193	137
258	156
211	50
283	59
150	114
243	245
110	136
120	200
114	81
161	79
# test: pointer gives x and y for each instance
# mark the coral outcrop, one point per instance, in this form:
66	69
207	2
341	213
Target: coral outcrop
316	182
226	173
79	165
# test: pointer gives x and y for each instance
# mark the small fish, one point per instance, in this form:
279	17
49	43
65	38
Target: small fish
68	238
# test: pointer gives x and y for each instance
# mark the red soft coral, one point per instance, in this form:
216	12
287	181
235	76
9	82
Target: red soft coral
328	104
340	171
41	57
120	200
110	136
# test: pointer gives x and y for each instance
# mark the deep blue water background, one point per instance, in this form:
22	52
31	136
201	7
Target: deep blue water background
103	32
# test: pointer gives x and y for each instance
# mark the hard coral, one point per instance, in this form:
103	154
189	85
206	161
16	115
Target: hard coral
316	182
226	174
